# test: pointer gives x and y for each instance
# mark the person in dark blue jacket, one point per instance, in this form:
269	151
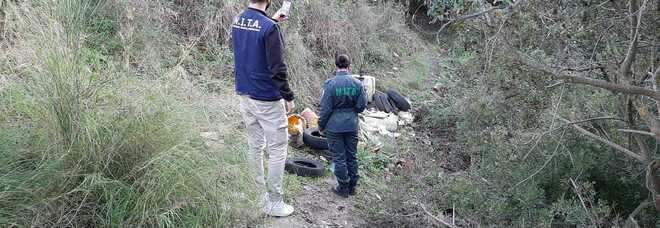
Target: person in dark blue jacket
343	98
265	99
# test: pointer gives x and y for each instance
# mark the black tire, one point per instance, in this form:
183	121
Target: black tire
399	100
378	100
395	109
382	102
389	107
313	139
304	167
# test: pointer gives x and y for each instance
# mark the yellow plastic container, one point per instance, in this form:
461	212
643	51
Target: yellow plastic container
296	124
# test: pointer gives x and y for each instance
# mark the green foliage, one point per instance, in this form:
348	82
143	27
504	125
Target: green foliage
439	7
520	157
102	129
103	102
377	161
86	142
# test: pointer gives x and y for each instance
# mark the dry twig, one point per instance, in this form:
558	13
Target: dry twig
443	222
637	132
607	142
639	208
584	205
614	87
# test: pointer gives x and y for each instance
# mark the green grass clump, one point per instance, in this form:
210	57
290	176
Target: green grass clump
102	104
86	142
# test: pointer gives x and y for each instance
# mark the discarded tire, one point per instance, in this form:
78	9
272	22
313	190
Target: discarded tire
398	100
389	107
313	139
304	167
395	109
378	101
382	102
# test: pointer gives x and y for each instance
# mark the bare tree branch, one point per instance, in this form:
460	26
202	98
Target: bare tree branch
654	80
632	215
584	206
650	118
614	87
657	71
607	142
583	69
473	15
545	164
595	118
476	14
643	148
443	222
637	132
624	70
584	121
555	84
653	182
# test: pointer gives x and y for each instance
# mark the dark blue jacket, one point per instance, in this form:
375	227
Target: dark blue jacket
343	98
259	66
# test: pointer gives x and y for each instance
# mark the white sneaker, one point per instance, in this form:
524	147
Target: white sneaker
278	209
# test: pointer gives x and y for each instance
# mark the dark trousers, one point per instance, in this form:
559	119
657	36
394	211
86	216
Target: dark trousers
344	148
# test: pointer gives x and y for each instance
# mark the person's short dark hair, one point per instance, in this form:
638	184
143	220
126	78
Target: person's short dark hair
342	61
258	1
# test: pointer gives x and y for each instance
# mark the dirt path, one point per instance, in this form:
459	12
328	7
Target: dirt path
316	206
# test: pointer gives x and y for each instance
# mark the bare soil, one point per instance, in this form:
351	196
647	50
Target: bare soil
316	206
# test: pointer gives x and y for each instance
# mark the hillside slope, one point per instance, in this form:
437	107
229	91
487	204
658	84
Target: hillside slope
104	104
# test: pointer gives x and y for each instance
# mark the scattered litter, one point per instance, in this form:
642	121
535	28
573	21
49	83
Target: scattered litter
378	127
296	125
369	83
406	117
311	117
379	121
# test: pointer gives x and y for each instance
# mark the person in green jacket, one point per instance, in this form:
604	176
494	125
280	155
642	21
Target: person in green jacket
343	98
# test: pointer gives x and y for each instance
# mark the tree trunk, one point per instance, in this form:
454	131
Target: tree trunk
3	5
626	64
653	182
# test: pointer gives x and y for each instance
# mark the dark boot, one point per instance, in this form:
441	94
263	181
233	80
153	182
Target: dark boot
341	190
351	187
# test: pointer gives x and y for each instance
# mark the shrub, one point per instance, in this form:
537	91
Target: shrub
87	142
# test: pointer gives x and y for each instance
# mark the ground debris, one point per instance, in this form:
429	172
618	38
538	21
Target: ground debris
316	206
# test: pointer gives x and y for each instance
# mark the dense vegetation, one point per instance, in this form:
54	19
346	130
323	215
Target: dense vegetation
102	103
555	107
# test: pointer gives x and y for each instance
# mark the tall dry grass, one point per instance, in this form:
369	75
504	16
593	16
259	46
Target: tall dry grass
87	142
102	103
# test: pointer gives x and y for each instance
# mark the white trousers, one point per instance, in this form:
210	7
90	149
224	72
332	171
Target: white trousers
266	126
